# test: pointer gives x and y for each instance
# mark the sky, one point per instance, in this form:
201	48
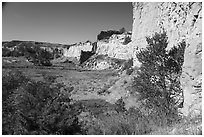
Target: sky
63	22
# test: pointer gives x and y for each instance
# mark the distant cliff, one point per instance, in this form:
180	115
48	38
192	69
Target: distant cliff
74	52
115	46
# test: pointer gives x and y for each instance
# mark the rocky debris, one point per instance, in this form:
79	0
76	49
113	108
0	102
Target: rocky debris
181	21
102	62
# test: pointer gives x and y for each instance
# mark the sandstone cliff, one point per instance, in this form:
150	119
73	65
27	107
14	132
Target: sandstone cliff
75	50
181	21
114	47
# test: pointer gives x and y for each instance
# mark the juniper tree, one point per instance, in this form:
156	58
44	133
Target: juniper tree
158	77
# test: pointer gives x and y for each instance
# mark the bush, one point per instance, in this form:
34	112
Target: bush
32	52
122	30
157	80
39	56
10	82
6	52
127	64
31	107
104	35
116	123
120	105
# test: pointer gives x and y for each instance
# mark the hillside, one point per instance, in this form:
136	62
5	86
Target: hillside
144	82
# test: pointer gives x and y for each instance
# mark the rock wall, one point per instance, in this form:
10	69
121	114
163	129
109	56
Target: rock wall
115	47
181	21
75	50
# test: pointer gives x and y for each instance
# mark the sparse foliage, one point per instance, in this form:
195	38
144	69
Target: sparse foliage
158	77
122	30
39	56
31	51
31	107
104	35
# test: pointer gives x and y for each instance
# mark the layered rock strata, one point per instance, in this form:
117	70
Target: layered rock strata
75	50
115	47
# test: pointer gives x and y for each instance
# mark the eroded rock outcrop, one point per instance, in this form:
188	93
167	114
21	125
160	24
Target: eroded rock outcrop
181	21
102	62
74	51
110	52
115	47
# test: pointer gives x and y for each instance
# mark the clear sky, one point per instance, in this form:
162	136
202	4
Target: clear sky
64	23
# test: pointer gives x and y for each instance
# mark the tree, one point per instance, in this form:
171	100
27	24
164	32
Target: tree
107	34
122	30
38	56
158	77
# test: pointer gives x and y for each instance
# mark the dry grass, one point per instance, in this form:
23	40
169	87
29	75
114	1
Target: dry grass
186	126
113	122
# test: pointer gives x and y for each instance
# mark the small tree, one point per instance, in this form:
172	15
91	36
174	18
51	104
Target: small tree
38	56
158	77
122	30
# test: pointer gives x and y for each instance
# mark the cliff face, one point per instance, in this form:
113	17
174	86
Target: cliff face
75	50
115	47
182	21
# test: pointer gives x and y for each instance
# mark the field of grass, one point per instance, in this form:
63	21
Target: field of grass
84	82
89	89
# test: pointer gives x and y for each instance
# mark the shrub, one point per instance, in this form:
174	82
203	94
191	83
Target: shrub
57	53
122	30
10	82
37	108
32	52
120	105
39	56
6	52
117	123
96	106
127	64
157	80
104	35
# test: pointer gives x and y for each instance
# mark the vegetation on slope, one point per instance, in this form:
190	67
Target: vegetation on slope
107	34
31	50
45	107
31	107
157	80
